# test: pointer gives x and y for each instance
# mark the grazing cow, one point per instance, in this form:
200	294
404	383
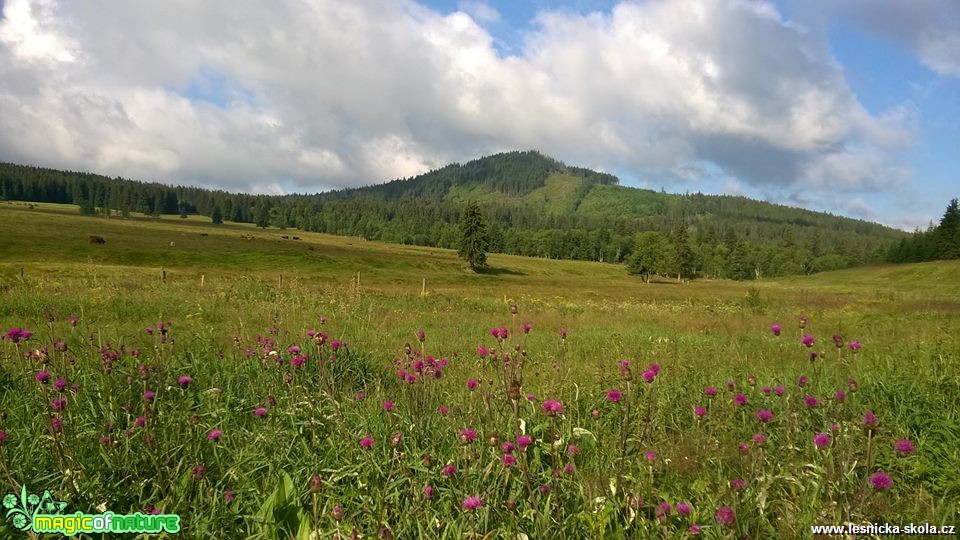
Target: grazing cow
203	234
285	237
296	237
94	239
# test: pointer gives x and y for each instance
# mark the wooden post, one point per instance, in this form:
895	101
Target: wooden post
279	281
21	273
358	282
423	287
202	277
163	276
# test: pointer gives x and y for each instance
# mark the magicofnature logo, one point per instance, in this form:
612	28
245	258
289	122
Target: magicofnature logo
41	514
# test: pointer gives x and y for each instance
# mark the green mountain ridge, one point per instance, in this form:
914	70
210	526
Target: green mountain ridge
536	206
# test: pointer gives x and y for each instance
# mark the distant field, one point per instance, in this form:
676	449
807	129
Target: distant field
223	291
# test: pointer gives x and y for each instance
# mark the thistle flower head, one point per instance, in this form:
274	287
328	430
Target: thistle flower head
903	447
764	415
725	516
822	440
366	442
775	328
881	481
614	395
215	435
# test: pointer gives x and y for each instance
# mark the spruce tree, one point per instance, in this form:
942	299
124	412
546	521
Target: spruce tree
473	237
216	216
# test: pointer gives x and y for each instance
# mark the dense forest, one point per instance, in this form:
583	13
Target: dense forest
534	206
939	242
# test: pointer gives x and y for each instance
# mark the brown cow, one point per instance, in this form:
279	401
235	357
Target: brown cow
94	239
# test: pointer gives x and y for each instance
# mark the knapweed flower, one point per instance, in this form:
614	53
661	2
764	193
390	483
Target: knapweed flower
449	470
563	333
840	396
527	327
744	447
822	440
810	401
775	328
443	410
482	351
663	509
854	346
779	390
366	442
198	471
737	484
531	397
552	407
421	336
694	529
870	421
427	491
215	435
655	368
649	376
710	391
59	403
3	437
507	447
766	390
764	415
293	349
472	503
59	385
881	481
572	450
228	495
337	512
42	377
524	441
149	395
683	508
699	411
260	412
740	399
184	381
140	421
759	439
651	456
730	385
808	340
903	447
468	435
803	381
501	333
18	335
388	405
56	424
838	340
73	320
508	460
359	396
544	489
726	516
472	384
614	395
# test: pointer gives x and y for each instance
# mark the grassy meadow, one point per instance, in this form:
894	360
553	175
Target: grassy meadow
315	410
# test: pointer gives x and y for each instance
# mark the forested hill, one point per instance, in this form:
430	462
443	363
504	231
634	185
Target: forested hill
535	205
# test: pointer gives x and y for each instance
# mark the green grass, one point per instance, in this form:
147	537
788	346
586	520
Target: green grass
223	291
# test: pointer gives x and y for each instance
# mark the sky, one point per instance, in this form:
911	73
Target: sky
845	106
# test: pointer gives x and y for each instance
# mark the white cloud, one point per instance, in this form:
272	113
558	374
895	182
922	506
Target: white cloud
328	94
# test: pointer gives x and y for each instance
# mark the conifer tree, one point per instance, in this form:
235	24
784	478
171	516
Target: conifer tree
473	237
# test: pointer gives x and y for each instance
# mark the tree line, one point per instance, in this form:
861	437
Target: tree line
940	242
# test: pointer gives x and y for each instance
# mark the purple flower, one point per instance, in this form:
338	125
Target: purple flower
614	395
810	401
779	390
507	447
140	421
649	375
215	435
228	495
699	411
807	340
59	403
881	481
388	405
293	349
710	391
42	377
449	470
421	336
359	396
764	415
743	447
468	435
427	491
822	440
527	327
870	421
655	368
552	407
366	442
443	410
56	424
16	334
766	390
184	381
572	450
508	460
738	484
149	395
73	320
482	351
854	346
726	516
730	385
775	328
59	385
663	509
472	502
840	396
651	456
759	439
740	399
563	333
3	437
903	447
694	529
524	441
260	412
802	381
683	508
472	384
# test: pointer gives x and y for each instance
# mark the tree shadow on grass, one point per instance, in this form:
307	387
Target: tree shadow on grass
494	271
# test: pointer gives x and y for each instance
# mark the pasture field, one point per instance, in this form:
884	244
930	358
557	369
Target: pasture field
314	408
